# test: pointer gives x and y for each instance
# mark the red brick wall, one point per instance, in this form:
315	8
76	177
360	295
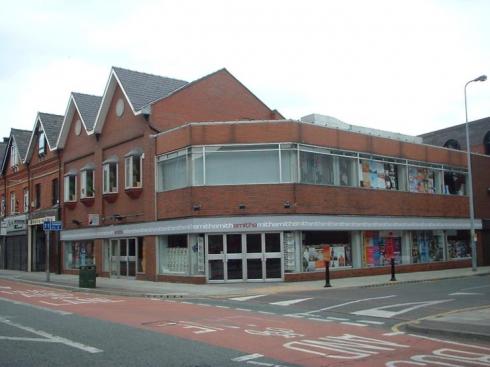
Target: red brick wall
480	165
218	97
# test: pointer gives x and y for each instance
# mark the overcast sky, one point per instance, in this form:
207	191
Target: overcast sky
392	65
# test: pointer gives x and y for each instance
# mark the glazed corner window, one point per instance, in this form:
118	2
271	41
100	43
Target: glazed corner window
26	200
87	184
133	169
110	177
42	143
70	188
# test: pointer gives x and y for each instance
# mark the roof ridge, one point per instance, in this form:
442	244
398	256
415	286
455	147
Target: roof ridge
50	114
86	94
149	74
23	130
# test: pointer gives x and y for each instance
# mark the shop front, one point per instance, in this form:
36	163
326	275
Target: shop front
14	246
269	248
38	241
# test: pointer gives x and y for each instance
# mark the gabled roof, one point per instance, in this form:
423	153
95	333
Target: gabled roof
3	150
51	125
87	107
21	139
140	90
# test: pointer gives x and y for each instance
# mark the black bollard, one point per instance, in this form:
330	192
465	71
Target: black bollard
327	274
393	279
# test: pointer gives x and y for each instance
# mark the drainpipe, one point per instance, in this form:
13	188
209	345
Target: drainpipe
29	229
58	242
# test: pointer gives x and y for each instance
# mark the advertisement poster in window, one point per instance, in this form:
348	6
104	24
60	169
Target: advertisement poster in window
313	256
380	247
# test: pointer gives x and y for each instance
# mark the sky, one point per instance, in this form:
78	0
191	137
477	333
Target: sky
394	65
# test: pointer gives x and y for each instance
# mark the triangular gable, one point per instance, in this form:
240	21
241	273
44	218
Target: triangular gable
139	90
21	139
87	107
51	125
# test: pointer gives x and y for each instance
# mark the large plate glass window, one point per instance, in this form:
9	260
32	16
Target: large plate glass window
70	187
458	245
427	246
172	171
379	245
377	174
78	253
316	242
454	182
173	254
110	176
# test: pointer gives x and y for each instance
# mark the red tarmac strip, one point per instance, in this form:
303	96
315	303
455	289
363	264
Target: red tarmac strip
289	340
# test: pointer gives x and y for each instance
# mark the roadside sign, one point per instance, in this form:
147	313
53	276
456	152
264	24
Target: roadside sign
54	225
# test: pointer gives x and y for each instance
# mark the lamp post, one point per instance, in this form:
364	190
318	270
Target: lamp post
481	78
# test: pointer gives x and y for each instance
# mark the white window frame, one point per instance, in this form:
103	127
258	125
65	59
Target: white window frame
83	184
106	176
2	208
14	156
128	172
12	203
26	199
41	143
66	189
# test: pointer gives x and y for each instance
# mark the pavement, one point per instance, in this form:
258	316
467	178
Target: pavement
473	323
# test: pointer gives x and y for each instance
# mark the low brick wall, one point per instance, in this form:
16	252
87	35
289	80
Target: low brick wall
347	273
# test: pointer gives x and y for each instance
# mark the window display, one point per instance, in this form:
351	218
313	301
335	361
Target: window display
421	180
458	245
427	246
78	253
454	183
316	168
174	254
378	175
380	247
314	244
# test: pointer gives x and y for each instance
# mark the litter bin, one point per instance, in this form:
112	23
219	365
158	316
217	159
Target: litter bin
87	276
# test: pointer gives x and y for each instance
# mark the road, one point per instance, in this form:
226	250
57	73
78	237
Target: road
42	326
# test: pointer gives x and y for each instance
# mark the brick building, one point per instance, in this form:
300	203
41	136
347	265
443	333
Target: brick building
167	180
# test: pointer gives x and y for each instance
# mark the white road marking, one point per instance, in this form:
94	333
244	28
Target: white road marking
294	315
266	312
186	303
243	309
449	342
371	322
352	323
317	319
203	304
394	333
219	306
349	303
465	294
248	357
64	313
261	363
52	338
337	318
290	302
246	298
381	311
2	287
476	287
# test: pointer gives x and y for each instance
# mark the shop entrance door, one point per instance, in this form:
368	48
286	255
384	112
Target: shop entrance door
225	261
263	256
123	258
239	257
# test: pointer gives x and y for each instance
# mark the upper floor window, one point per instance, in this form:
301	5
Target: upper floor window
70	187
13	203
110	179
42	143
87	189
37	196
14	156
55	190
26	200
2	208
486	143
453	144
133	164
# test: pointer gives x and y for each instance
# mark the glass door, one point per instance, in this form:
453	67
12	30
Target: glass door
225	259
263	256
123	258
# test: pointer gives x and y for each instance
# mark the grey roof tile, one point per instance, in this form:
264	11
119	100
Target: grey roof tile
142	88
52	127
22	138
3	150
88	106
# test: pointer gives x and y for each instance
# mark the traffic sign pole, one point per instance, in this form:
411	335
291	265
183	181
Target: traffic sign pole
47	254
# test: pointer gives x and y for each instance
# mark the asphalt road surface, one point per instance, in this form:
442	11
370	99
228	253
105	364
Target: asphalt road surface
40	326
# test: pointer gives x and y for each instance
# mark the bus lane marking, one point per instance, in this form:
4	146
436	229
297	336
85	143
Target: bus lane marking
348	303
384	313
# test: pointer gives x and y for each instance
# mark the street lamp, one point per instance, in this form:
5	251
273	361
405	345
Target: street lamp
481	78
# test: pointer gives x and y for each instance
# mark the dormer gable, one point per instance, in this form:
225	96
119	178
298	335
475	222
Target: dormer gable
86	107
44	135
139	90
16	149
